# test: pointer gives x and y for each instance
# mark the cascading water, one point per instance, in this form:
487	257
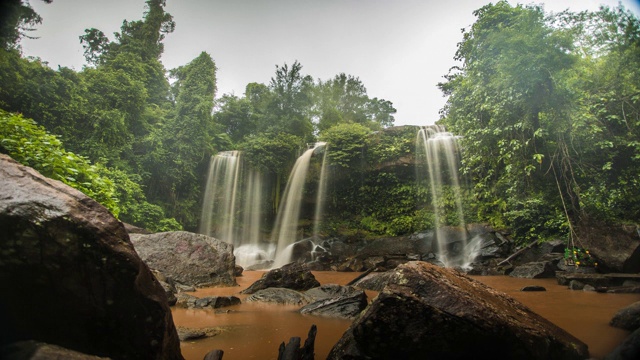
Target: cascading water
440	150
231	210
285	231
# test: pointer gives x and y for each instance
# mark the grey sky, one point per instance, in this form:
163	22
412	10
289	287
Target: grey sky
400	49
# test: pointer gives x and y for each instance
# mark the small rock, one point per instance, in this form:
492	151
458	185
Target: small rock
588	288
576	285
533	288
291	276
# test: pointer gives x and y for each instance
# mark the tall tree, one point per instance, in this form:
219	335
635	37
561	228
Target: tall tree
16	19
188	140
290	105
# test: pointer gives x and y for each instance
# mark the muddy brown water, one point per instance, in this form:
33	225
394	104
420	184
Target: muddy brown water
255	330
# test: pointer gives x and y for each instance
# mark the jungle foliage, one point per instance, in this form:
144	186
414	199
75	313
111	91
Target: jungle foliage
548	106
151	131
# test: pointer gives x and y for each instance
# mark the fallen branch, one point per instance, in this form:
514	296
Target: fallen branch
361	276
515	254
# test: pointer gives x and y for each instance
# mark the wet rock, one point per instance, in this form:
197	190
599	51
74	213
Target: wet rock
374	281
396	246
188	258
534	270
588	288
216	354
216	302
260	265
237	271
427	311
576	285
60	245
330	291
345	306
33	350
280	296
185	333
617	248
533	288
627	318
184	288
620	290
350	265
291	276
373	262
185	300
628	350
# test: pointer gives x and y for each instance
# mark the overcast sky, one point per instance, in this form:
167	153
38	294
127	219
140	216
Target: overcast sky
400	49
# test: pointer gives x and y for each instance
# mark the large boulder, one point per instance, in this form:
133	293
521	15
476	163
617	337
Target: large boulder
291	276
188	258
628	350
627	318
69	275
534	270
616	248
374	281
430	312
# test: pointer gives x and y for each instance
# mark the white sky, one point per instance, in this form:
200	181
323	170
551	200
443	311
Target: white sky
400	49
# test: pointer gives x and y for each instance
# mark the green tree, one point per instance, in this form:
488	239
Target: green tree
290	105
539	114
186	142
16	19
344	99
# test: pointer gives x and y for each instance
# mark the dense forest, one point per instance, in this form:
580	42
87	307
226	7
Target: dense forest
547	105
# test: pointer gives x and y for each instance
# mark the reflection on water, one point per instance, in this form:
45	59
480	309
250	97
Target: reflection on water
255	330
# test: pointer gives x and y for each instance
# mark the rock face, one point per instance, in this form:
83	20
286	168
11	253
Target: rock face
346	303
291	276
430	312
617	249
188	258
67	264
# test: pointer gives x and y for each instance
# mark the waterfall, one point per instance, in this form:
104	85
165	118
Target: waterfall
232	207
286	225
439	150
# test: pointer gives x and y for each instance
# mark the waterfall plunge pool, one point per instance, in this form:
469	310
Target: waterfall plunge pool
255	330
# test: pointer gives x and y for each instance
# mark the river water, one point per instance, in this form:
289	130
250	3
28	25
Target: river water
255	330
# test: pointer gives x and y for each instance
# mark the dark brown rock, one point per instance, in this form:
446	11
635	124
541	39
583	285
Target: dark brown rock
628	350
616	248
430	312
627	318
534	270
67	263
374	281
188	258
33	350
291	276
